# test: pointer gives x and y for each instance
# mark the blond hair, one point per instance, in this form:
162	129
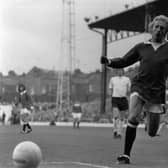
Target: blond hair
160	18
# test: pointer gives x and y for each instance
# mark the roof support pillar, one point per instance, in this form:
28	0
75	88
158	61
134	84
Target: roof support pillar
104	74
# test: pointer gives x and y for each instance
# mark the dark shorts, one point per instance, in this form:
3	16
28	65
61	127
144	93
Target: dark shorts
120	102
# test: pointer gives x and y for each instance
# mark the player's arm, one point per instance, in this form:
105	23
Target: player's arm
29	102
128	59
128	87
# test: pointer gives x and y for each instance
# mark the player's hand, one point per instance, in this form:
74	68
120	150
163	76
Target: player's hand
104	60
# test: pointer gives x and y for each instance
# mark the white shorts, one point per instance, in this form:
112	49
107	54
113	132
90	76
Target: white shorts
149	107
25	116
77	115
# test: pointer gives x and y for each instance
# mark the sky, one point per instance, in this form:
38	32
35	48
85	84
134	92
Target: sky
31	31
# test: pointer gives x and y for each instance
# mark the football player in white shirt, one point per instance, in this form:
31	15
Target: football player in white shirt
119	86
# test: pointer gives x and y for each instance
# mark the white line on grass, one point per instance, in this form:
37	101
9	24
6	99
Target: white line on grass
76	163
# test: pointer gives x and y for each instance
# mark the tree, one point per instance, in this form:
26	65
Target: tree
12	73
77	71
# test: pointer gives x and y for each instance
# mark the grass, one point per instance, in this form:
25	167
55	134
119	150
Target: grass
95	146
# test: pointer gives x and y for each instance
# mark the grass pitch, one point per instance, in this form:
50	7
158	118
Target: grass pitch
87	147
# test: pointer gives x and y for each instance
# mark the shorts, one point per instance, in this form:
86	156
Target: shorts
149	107
77	115
25	116
120	102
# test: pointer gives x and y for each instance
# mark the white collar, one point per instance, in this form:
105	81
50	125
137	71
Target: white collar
155	45
21	93
150	42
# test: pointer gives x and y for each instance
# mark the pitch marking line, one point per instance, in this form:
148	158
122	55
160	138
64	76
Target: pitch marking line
76	163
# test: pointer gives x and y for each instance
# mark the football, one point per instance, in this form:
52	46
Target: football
26	154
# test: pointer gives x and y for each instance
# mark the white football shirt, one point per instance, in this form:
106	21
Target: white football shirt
120	86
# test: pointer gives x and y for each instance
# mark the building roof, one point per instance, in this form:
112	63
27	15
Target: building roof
131	19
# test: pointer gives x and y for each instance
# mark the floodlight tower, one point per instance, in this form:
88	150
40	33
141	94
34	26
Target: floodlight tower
72	46
59	96
68	51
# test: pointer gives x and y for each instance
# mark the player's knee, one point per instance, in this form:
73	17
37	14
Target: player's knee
133	119
133	122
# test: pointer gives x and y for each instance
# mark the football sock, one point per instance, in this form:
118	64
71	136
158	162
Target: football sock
29	127
78	124
115	125
24	127
129	139
120	127
74	124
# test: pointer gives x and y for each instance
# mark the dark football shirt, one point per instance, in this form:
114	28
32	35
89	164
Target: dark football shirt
25	100
76	108
150	81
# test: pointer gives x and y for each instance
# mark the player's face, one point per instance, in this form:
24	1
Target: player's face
21	88
159	31
120	72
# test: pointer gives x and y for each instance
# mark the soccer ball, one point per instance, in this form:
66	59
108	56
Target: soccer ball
26	154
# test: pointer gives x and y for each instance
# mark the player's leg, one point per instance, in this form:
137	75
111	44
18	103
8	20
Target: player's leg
144	118
27	119
153	118
75	123
135	108
161	126
74	119
163	123
79	119
120	125
29	127
123	107
24	127
153	121
115	111
115	121
22	122
78	122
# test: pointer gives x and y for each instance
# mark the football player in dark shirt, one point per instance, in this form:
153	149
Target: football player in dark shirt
76	114
24	103
149	85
